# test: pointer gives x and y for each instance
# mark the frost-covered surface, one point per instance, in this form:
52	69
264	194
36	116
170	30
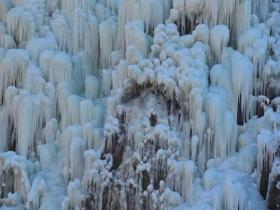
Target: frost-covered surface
150	104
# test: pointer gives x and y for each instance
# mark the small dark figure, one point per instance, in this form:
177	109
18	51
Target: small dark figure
153	119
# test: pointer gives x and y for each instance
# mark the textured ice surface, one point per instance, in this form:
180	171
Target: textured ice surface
128	104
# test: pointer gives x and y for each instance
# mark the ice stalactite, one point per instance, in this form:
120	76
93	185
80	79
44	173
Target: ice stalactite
75	197
74	109
202	33
170	199
243	17
77	148
107	31
64	90
15	172
273	190
91	42
188	13
36	46
241	70
128	104
254	43
51	6
56	66
219	39
106	82
36	193
32	116
73	4
20	24
261	8
73	131
222	139
134	35
61	31
48	155
211	9
267	149
12	73
92	133
185	172
144	10
92	87
5	6
87	111
6	40
189	9
120	74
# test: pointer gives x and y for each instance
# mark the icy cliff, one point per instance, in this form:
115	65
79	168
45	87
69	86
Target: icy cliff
140	104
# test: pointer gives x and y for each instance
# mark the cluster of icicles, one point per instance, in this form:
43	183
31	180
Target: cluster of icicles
128	104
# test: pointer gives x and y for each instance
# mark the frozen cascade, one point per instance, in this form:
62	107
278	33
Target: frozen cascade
20	24
129	105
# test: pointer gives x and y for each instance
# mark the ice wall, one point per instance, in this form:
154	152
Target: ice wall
151	104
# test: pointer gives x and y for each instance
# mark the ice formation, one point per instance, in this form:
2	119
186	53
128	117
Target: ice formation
151	104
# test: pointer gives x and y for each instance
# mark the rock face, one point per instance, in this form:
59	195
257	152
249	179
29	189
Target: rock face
139	105
274	189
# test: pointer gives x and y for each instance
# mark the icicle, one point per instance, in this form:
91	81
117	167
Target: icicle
202	33
61	31
92	135
30	122
4	130
125	14
15	171
36	46
226	12
273	190
182	175
68	134
91	42
242	17
20	24
82	4
219	39
134	35
50	131
5	6
74	198
106	82
221	77
242	76
51	6
215	107
77	148
247	159
260	8
6	41
238	201
170	199
36	193
86	111
74	109
57	66
267	148
33	73
64	90
120	74
91	87
91	158
212	8
107	29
